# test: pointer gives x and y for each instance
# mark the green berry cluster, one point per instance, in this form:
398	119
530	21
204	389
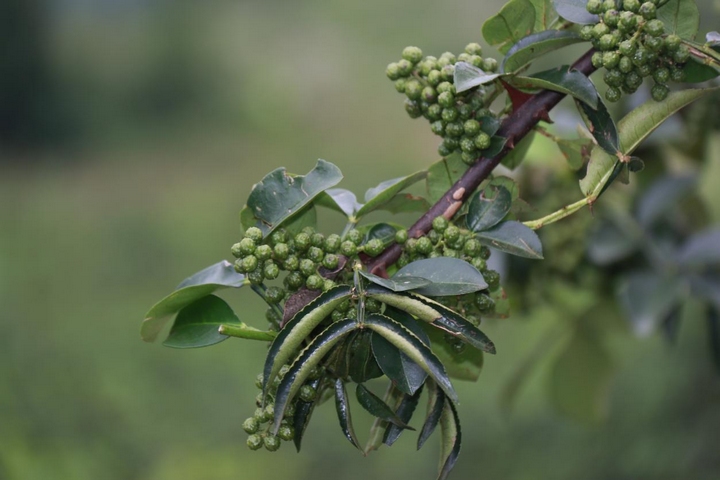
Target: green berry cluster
632	45
258	426
428	84
448	240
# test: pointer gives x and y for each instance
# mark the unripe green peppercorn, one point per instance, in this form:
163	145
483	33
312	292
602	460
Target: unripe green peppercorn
286	433
648	10
597	59
440	224
450	114
661	75
404	67
677	75
434	78
263	252
291	263
392	71
372	305
412	109
294	280
479	263
467	145
628	22
448	73
476	61
354	236
451	252
446	99
633	80
336	316
315	282
472	247
250	425
281	251
401	236
307	267
482	141
654	28
328	284
473	49
271	271
682	54
274	295
434	112
331	261
332	243
254	234
315	254
424	245
271	442
438	127
490	65
302	241
611	59
254	442
374	247
444	149
492	278
484	253
613	94
586	32
413	89
412	54
672	42
451	233
463	57
446	87
400	85
607	42
249	263
611	18
411	245
454	129
625	65
594	6
659	92
471	127
484	303
599	30
429	94
348	248
608	5
627	47
468	157
307	393
631	5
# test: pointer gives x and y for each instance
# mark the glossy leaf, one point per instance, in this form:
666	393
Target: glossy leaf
377	408
463	364
451	439
580	379
405	374
575	11
633	129
469	76
339	199
303	412
680	17
488	207
514	238
515	157
435	313
362	365
447	276
303	366
385	232
535	45
342	406
197	324
563	80
279	195
694	71
575	151
412	346
702	250
404	412
514	21
545	14
647	298
396	285
601	125
508	184
291	336
384	193
436	403
443	174
216	277
662	196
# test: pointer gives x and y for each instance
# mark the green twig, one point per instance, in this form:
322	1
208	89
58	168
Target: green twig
566	211
245	331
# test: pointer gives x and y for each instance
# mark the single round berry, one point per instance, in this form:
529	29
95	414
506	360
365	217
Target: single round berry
476	61
372	305
249	263
490	65
599	30
613	94
404	68
250	425
611	59
451	233
332	243
331	261
307	392
467	145
672	42
440	224
450	114
315	282
468	158
471	127
315	254
412	109
271	271
586	32
263	252
424	245
254	442
302	241
484	253
254	234
677	75
628	22
627	47
294	280
400	85
401	236
444	150
354	236
429	94
659	92
434	78
625	65
454	129
648	10
412	54
274	295
271	442
645	70
392	71
374	247
446	99
479	263
631	5
633	80
607	42
482	141
472	247
484	303
286	432
307	267
281	251
661	75
611	18
492	278
609	5
448	73
594	6
654	44
278	236
654	28
473	49
682	54
434	112
291	263
348	248
597	59
438	127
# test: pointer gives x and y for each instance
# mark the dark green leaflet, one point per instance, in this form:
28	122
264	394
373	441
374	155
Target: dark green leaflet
292	335
377	408
311	356
303	412
436	401
404	412
342	405
451	439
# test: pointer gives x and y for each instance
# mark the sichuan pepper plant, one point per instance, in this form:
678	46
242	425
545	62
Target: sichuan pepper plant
406	303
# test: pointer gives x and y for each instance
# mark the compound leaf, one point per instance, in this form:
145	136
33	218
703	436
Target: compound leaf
214	278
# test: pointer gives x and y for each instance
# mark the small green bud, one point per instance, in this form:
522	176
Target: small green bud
648	10
315	282
482	141
434	78
331	261
479	263
291	263
446	87
614	78
278	236
471	127
274	295
446	99
468	157
672	42
254	234
490	65
627	47
263	252
607	42
682	54
654	28
429	95
354	236
413	109
302	241
307	393
401	236
404	68
271	271
611	59
440	224
315	254
659	92
438	127
451	233
412	54
413	89
611	18
434	112
249	263
281	251
271	442
492	278
476	61
424	245
631	5
473	49
625	65
586	32
411	245
599	30
294	280
374	247
259	380
661	75
594	6
400	85
392	71
448	73
613	94
307	267
254	442
250	425
467	145
286	433
327	284
472	247
348	248
449	114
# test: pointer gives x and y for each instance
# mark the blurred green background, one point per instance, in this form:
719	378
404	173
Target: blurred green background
130	135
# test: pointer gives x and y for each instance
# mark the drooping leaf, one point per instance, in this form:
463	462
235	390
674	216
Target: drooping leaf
461	363
197	324
412	346
488	207
443	174
342	406
291	336
404	412
680	17
694	71
702	250
580	378
647	298
384	193
514	21
535	45
405	374
392	397
469	76
306	361
601	125
545	14
575	11
303	412
662	196
362	365
451	439
515	157
339	199
435	313
436	402
575	151
633	129
397	285
215	277
279	195
447	276
377	408
514	238
563	80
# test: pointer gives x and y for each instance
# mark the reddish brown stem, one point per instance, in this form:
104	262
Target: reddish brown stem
513	128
